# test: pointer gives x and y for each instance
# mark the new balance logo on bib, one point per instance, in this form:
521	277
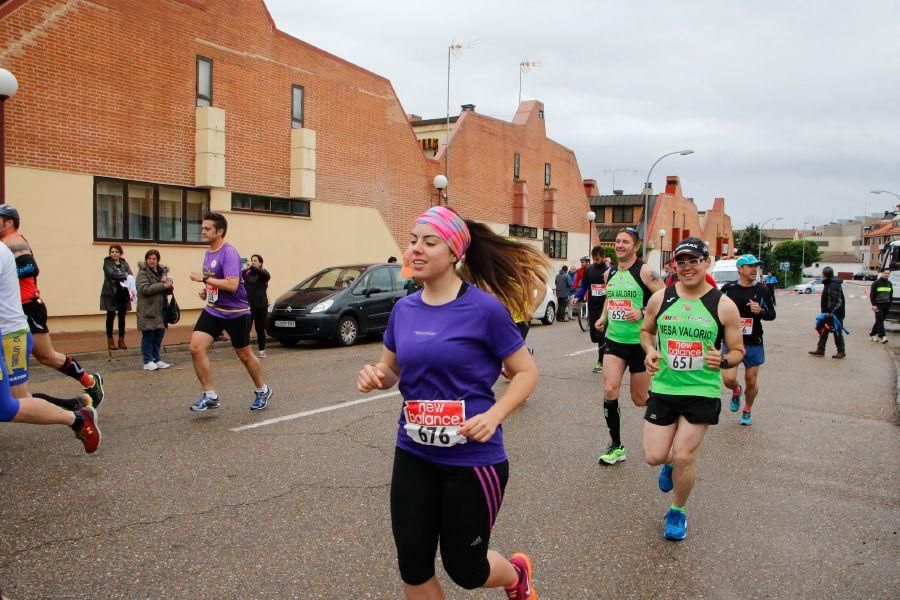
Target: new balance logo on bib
435	422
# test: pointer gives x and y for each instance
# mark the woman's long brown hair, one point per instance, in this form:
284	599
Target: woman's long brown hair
513	272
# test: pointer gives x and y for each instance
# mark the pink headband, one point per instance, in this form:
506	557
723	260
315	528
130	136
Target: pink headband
450	227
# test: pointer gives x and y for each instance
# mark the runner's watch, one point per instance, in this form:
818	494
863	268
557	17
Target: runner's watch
723	364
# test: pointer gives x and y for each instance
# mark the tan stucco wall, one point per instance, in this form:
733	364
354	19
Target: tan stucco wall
57	220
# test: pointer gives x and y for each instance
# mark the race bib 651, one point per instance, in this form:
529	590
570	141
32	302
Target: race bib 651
684	356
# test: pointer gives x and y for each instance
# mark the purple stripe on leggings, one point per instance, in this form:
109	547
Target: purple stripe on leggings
496	481
487	496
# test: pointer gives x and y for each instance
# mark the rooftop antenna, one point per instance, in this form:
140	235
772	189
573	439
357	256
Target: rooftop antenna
525	66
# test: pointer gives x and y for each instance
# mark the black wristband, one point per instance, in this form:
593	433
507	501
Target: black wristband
724	362
205	277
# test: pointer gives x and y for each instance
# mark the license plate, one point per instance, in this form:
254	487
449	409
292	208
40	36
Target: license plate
285	324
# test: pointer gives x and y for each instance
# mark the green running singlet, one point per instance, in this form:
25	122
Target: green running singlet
625	290
684	328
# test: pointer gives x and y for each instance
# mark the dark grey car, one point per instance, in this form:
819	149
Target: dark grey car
338	303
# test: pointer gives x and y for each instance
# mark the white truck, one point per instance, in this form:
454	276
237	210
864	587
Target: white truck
890	259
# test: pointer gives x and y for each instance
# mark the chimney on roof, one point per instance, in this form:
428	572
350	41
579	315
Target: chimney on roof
618	192
590	187
470	107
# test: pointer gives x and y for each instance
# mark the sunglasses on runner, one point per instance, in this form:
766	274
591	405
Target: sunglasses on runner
690	261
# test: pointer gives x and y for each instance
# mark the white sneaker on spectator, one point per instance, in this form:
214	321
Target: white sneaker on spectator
262	353
150	366
162	365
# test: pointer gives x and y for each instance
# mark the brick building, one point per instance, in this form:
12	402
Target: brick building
133	118
511	175
669	211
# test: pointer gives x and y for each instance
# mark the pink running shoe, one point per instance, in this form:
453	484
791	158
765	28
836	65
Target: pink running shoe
524	588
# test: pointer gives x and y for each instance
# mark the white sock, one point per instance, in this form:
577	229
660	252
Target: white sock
211	394
263	389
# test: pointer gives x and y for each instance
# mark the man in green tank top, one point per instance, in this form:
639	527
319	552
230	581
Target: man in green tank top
629	286
682	335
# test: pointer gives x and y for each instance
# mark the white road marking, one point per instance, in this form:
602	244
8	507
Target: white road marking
583	351
315	411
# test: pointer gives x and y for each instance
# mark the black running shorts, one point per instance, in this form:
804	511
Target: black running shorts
632	354
664	409
452	506
36	314
238	328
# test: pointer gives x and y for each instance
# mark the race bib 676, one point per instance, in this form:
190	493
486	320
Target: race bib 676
435	422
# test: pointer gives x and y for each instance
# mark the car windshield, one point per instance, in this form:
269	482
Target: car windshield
336	278
725	276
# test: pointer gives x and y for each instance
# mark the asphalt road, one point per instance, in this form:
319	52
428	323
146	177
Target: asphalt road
806	503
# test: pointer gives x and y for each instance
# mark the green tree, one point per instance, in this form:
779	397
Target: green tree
748	242
791	252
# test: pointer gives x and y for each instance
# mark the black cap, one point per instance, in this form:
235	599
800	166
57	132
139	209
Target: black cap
10	212
693	245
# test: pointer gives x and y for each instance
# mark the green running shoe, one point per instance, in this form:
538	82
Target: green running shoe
612	455
598	368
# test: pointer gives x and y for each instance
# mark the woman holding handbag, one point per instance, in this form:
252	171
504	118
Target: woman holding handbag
153	285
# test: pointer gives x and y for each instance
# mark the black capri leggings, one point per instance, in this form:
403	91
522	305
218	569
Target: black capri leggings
259	321
453	506
121	309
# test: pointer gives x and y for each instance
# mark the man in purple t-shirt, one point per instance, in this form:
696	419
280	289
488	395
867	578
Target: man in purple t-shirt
227	309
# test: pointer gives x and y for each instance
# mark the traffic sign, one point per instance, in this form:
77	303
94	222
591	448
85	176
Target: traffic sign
785	266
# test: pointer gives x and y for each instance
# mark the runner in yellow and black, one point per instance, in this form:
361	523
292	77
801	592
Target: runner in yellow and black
629	285
682	334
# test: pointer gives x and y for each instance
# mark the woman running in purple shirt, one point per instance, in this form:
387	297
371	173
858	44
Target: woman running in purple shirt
445	345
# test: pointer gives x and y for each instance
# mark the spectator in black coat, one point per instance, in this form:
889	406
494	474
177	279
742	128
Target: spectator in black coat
256	282
833	304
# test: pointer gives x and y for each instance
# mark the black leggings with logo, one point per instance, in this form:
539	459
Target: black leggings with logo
452	506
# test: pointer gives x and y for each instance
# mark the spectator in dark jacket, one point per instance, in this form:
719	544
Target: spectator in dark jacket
153	285
115	297
256	281
563	291
832	305
880	296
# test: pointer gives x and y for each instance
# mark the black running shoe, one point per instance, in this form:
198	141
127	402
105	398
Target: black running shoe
96	391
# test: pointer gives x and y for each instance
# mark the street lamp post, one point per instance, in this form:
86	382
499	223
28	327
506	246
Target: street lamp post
759	238
662	234
450	49
591	215
8	88
802	251
647	193
897	196
440	183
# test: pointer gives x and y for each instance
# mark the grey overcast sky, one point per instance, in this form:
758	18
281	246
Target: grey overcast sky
792	108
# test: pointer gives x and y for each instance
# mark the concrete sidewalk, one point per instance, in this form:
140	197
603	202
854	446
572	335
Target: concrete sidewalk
90	346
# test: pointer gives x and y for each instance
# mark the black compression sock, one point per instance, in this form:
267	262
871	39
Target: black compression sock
613	420
79	422
66	403
72	368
